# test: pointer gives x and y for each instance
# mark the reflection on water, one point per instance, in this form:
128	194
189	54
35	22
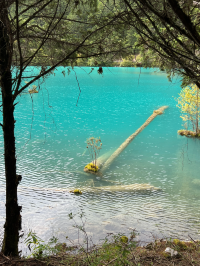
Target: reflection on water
111	106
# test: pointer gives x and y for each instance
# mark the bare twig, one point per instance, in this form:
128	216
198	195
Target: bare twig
4	256
109	262
193	241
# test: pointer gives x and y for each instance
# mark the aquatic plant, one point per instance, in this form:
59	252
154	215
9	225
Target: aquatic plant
77	191
94	146
92	167
188	103
33	89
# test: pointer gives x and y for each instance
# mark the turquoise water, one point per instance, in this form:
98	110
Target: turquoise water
51	133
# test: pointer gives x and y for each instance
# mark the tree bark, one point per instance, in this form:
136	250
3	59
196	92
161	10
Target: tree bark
13	218
13	223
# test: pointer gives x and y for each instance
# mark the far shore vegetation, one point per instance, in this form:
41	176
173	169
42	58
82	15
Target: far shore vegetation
127	61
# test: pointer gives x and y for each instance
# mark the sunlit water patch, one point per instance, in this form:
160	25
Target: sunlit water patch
51	133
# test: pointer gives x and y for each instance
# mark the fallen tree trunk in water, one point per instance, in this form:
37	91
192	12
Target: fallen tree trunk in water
122	188
129	139
115	188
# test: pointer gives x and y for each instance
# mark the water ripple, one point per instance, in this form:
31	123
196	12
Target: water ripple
112	107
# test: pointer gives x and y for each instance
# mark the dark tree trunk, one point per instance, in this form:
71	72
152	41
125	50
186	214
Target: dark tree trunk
13	218
10	243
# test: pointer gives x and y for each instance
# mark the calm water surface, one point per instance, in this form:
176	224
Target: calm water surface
51	133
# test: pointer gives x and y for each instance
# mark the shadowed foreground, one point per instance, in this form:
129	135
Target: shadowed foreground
116	253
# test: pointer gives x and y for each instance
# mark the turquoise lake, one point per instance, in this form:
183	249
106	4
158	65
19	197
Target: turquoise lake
51	132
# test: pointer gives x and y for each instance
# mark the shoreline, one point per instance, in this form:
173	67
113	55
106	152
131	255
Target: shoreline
119	251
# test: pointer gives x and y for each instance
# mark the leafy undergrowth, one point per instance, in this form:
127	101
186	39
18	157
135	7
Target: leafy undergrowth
117	251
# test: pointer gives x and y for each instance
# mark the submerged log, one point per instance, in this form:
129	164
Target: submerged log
115	188
122	188
130	138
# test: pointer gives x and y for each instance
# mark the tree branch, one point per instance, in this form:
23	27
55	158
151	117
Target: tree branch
26	9
185	20
47	34
17	92
33	15
19	48
164	17
151	35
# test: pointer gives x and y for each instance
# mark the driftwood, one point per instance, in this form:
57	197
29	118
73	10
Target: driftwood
103	164
122	188
129	139
115	188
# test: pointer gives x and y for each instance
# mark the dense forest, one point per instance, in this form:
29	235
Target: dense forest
113	45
